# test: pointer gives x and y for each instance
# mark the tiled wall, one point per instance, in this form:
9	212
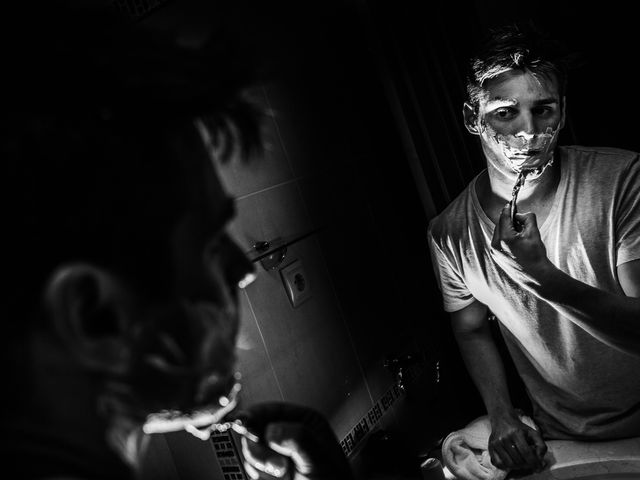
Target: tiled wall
306	354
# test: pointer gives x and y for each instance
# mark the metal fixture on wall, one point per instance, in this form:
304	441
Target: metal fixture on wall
271	253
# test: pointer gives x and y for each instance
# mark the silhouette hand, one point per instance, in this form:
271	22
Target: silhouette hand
295	442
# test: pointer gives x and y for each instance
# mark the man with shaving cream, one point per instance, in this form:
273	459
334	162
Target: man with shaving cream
546	238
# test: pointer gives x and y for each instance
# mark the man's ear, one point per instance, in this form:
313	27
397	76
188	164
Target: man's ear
470	115
90	312
564	111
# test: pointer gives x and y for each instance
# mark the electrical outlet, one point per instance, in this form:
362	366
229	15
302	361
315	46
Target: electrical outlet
296	283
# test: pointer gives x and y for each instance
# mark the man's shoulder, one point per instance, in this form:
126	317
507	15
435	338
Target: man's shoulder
599	169
600	156
454	216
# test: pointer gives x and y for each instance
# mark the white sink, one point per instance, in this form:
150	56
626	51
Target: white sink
569	460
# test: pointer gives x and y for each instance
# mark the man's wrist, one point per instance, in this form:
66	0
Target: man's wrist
542	278
543	269
500	412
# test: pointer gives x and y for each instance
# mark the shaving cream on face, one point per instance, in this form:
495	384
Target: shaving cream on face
533	153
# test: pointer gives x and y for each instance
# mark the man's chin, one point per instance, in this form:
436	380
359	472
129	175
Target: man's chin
127	439
534	166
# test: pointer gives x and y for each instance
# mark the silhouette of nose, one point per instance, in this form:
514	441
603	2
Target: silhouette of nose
239	269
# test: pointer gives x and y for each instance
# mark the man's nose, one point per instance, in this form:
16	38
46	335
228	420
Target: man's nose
527	127
239	270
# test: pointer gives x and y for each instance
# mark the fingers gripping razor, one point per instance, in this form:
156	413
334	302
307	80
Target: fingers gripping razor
514	196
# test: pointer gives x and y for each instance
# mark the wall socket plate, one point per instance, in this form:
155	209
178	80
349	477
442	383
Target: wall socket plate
296	283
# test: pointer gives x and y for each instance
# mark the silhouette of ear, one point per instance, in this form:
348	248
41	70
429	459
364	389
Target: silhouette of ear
564	112
90	313
470	115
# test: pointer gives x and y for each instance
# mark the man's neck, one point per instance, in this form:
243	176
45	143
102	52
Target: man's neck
58	428
495	188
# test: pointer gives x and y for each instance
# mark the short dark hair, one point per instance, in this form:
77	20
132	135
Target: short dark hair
520	46
96	115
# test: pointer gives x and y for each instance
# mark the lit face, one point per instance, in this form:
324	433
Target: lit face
183	367
518	120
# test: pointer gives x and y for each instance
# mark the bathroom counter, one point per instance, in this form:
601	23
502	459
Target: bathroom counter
618	460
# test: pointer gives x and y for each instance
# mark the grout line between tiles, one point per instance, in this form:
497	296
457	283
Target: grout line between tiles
266	349
266	189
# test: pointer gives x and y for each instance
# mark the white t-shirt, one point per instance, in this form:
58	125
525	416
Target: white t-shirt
580	388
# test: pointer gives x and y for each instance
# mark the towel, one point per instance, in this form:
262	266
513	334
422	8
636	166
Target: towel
465	452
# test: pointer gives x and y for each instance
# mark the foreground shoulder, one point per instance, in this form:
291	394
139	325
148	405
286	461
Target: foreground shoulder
453	220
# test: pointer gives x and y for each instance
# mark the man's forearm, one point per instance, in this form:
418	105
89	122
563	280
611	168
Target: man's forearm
614	319
486	369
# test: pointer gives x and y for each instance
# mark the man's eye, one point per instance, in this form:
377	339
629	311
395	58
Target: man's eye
504	113
543	111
